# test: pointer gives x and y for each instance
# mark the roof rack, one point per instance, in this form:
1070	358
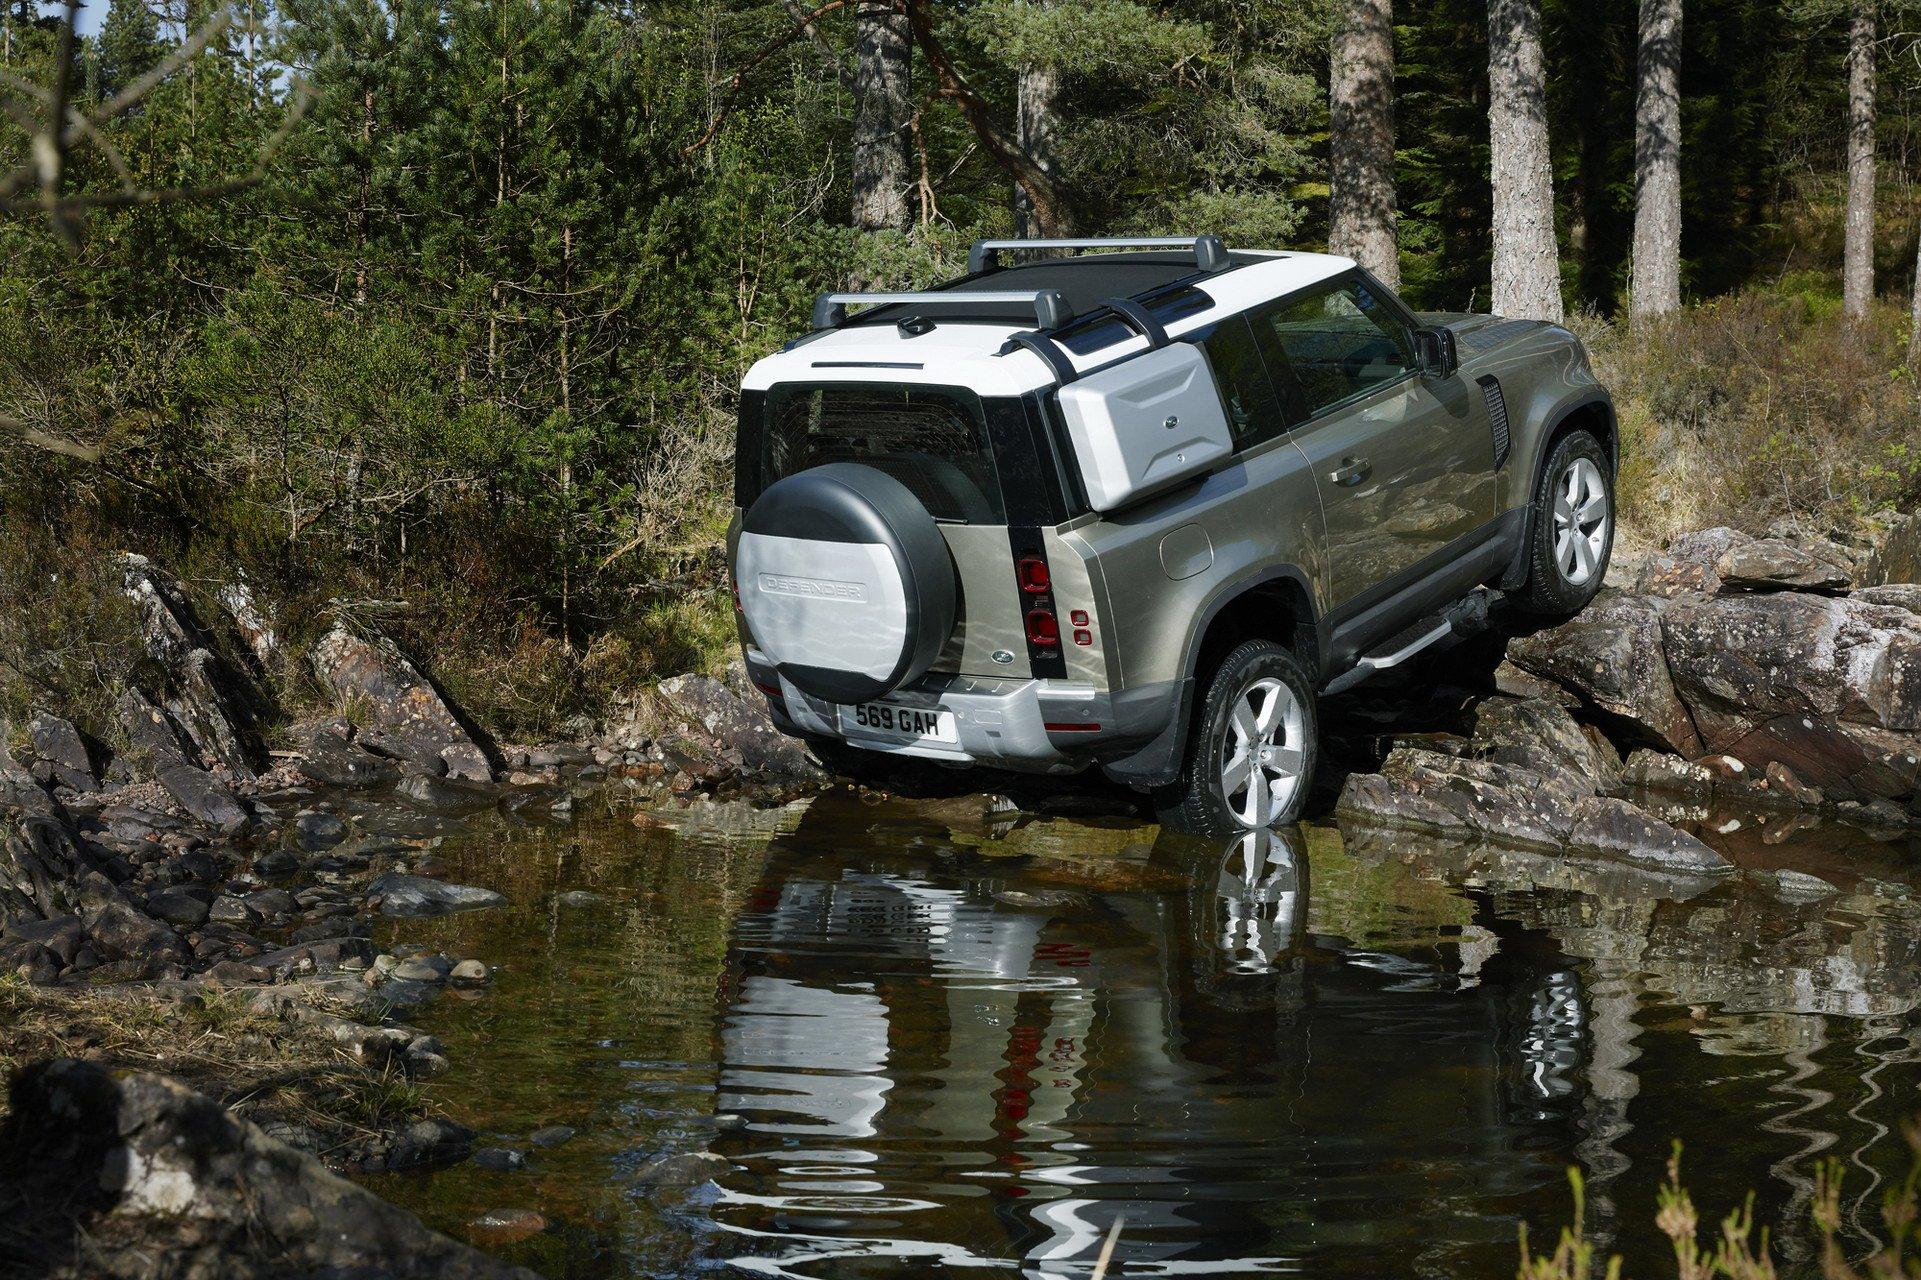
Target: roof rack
1210	254
1050	308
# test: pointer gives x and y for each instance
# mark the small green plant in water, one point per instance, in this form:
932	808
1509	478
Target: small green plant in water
1895	1259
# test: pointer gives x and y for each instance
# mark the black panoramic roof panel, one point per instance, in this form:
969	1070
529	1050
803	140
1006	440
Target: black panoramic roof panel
1083	281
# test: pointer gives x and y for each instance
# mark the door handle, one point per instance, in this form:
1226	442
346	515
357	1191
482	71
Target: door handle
1351	471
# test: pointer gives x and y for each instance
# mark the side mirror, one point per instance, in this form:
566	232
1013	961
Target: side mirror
1440	358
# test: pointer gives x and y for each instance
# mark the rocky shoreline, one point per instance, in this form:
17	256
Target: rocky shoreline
205	862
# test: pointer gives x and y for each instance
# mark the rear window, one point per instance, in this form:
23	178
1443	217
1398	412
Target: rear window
931	439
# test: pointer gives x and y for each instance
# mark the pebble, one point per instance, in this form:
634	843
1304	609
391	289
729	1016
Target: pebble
506	1226
469	971
551	1136
687	1169
419	971
500	1159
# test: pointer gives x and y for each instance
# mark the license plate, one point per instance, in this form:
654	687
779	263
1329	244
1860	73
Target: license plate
897	723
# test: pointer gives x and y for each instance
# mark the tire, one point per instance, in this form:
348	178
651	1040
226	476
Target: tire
1569	541
1201	799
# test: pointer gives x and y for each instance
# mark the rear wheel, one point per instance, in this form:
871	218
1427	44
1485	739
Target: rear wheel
1251	759
1572	533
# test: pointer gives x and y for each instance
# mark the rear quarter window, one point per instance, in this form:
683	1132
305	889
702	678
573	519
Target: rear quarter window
932	439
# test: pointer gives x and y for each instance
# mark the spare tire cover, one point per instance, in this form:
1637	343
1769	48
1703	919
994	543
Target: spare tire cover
846	582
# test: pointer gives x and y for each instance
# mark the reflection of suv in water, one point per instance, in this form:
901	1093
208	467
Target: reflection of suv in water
1138	509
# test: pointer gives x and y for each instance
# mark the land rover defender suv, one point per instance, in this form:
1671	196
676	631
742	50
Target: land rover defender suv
1136	504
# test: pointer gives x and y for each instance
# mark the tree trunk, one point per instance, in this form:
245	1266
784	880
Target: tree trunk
1527	265
1857	270
1361	142
1655	287
883	110
1038	128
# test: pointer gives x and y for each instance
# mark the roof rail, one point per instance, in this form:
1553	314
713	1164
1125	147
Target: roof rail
1050	309
1210	254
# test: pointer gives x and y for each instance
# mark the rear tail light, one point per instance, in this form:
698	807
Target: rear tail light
1033	576
1043	630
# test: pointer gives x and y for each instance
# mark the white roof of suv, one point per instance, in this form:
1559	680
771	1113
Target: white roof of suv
966	352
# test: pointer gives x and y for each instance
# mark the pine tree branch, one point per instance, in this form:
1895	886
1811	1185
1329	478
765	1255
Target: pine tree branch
803	25
1049	202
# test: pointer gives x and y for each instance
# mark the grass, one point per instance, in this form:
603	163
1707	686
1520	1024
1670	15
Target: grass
259	1065
1736	1252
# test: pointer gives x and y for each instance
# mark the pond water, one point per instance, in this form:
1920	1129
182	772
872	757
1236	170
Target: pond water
935	1036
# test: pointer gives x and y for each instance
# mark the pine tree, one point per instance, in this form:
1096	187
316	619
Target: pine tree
1527	271
1656	287
883	116
1857	271
129	45
1361	138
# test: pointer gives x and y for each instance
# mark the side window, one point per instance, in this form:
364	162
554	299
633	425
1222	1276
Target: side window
1253	409
1340	343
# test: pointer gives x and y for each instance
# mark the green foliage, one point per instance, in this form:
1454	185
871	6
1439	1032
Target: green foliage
470	350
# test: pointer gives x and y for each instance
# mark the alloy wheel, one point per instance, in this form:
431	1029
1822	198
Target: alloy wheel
1261	753
1581	519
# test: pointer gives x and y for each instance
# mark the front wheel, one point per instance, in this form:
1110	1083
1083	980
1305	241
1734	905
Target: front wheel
1252	755
1572	531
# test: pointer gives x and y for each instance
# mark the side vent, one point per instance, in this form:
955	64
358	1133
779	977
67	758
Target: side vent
1496	416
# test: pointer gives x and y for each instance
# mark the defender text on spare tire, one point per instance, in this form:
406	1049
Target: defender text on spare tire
1136	509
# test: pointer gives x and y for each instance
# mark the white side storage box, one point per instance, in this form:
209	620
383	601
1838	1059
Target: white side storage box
1145	424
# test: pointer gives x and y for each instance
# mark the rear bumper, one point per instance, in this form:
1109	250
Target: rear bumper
1034	726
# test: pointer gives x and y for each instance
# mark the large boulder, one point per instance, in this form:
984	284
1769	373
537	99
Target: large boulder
1508	806
1830	688
711	720
1722	560
1897	556
406	715
1611	656
202	793
216	708
59	747
158	1180
39	858
1538	734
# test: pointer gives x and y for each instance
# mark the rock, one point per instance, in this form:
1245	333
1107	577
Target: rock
63	936
577	898
1722	560
1612	656
499	1227
184	906
198	791
469	971
410	717
326	755
172	1175
215	707
721	721
227	909
1829	687
1897	557
553	1135
419	971
1783	781
1659	771
60	745
1616	829
1899	595
40	859
256	628
686	1169
500	1159
1426	790
121	931
397	894
314	830
444	794
1798	886
1516	683
1539	735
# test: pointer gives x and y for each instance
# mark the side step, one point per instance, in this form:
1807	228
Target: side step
1464	617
